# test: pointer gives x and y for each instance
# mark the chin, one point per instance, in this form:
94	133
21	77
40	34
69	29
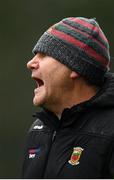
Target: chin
38	102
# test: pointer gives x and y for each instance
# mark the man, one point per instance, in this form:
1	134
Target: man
73	134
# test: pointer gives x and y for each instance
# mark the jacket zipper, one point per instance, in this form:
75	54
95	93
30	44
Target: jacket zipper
52	140
53	136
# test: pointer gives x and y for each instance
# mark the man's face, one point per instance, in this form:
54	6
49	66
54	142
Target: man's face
52	80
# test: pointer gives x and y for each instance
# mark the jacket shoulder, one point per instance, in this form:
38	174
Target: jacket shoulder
101	122
36	125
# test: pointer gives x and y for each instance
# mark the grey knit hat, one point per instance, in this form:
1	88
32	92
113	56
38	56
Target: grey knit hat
80	44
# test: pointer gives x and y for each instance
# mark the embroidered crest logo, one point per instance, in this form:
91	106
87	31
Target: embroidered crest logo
77	151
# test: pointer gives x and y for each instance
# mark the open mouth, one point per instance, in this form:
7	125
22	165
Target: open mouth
39	82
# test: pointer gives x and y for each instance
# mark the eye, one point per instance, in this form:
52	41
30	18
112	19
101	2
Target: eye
42	55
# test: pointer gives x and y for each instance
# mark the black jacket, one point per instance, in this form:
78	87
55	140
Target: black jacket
80	145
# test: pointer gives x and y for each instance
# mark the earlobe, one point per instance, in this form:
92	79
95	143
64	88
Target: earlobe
74	74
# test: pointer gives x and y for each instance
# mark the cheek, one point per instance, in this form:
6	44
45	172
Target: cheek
51	84
56	77
57	83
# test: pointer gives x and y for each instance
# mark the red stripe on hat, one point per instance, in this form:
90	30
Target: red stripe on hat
85	34
80	44
90	26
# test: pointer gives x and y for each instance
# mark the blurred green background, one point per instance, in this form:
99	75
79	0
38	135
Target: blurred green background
22	22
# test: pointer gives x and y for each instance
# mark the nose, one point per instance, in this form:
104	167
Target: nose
33	63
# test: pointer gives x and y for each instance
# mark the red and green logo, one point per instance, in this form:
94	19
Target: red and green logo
77	151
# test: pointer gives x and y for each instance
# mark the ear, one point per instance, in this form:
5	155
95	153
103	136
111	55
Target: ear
74	75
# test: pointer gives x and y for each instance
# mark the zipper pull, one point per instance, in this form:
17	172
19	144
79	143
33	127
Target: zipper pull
53	136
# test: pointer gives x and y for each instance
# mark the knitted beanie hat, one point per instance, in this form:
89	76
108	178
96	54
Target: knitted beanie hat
80	44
